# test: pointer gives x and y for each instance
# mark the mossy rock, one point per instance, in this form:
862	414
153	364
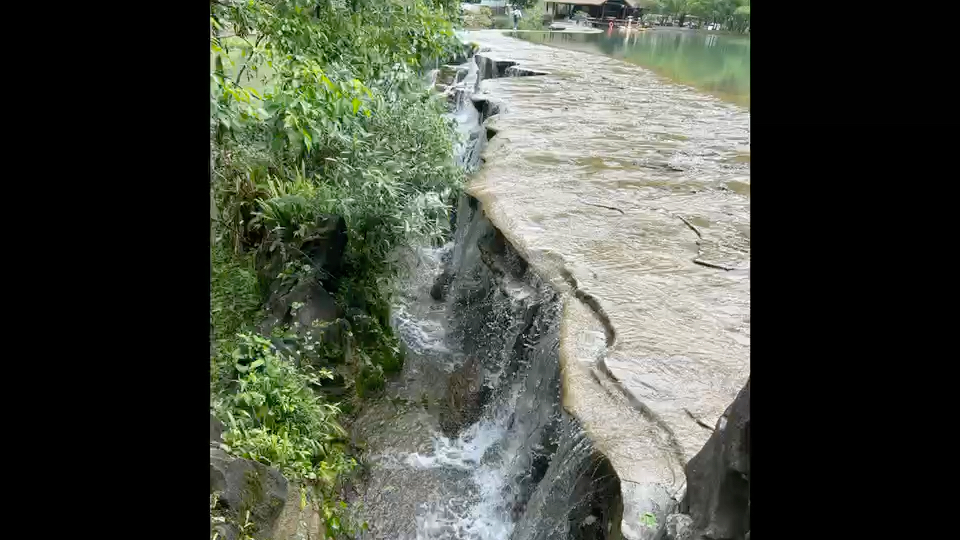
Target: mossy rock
246	485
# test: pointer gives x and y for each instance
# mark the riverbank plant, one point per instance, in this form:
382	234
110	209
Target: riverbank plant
479	19
318	111
533	17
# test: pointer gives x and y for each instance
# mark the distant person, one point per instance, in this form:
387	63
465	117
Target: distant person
516	17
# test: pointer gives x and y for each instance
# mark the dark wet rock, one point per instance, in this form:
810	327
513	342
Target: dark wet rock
718	477
486	106
216	430
225	531
517	71
318	305
464	400
678	527
245	485
579	496
491	68
439	289
440	285
323	248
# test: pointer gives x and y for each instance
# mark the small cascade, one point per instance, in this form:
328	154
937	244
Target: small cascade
468	120
521	468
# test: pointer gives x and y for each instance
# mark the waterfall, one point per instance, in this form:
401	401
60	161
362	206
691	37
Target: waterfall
524	469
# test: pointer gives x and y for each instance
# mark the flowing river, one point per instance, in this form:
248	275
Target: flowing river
572	347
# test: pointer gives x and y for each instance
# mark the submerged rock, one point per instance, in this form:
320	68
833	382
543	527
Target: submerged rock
464	400
245	485
718	478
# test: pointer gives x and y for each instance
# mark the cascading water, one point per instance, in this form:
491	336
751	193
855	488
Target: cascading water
524	470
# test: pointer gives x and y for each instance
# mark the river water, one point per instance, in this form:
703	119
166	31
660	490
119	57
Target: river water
601	274
715	63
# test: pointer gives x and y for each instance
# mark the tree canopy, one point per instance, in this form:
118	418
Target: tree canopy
733	15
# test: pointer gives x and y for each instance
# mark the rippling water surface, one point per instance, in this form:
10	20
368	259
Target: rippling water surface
715	63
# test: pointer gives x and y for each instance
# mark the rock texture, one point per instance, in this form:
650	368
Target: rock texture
318	304
678	527
680	347
245	485
517	71
216	430
295	523
718	478
324	249
491	68
441	285
464	400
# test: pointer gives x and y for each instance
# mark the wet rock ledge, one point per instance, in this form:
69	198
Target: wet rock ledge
661	494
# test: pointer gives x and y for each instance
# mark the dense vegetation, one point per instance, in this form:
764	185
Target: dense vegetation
480	18
532	16
733	15
319	115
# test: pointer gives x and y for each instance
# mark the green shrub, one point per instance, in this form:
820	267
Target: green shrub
273	415
234	294
317	109
365	140
533	18
482	18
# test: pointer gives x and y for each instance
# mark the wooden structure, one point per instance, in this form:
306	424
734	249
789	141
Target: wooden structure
596	9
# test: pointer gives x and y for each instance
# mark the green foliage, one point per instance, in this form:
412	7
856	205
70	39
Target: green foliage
234	295
344	125
318	109
245	529
532	17
273	415
731	15
525	4
482	18
648	519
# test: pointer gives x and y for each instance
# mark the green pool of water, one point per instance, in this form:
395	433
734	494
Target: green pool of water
715	63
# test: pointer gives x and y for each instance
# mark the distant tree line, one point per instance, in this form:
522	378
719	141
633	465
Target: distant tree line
732	15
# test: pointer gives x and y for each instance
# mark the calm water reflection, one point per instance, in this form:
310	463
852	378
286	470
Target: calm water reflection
718	64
